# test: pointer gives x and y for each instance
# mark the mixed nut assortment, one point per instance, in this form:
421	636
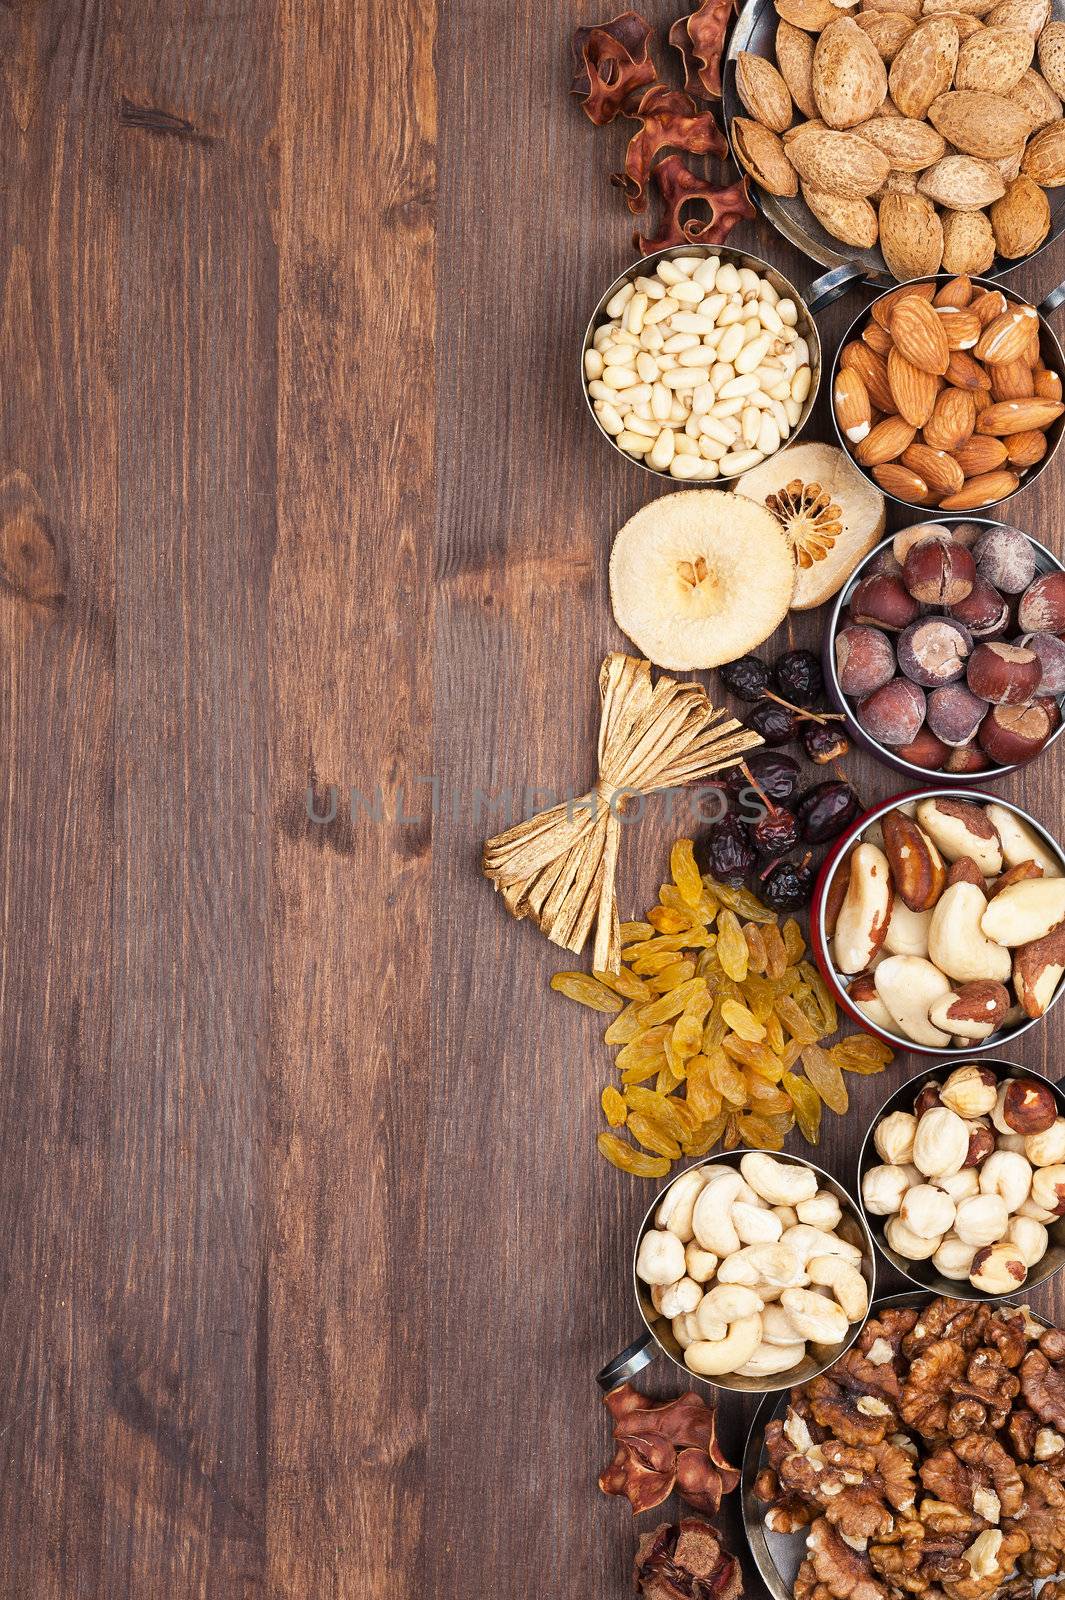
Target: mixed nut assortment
970	1179
737	1260
701	370
945	397
930	1460
947	922
923	125
949	648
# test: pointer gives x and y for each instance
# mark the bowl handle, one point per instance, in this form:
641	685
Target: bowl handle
831	286
639	1354
1054	299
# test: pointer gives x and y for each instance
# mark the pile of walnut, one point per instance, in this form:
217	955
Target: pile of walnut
922	123
972	1177
775	1245
930	1461
948	917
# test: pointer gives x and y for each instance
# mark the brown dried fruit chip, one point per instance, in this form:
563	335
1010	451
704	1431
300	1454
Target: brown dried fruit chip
700	39
613	62
669	121
678	188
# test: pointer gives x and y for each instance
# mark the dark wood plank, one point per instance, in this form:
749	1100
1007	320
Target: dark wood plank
350	669
58	501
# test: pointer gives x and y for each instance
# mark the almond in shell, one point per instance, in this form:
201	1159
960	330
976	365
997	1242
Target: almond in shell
980	124
1038	99
913	390
812	15
968	242
1051	52
910	145
966	26
962	183
1044	157
966	8
911	235
1021	219
852	220
994	59
924	67
849	78
904	8
837	162
1030	16
888	31
761	153
763	91
795	59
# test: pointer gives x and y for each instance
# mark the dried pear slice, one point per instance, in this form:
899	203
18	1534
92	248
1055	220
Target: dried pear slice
831	514
699	578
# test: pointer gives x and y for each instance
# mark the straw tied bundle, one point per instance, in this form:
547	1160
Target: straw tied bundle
558	868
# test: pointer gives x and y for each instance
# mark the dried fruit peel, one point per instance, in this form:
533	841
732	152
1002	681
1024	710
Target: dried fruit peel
737	1055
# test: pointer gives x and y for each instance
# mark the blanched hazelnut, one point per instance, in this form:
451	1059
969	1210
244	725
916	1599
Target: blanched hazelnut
941	1143
1028	1106
927	1211
1037	1213
1030	1237
894	1138
1047	1149
906	1243
883	1189
1048	1188
981	1220
960	1185
1008	1175
954	1259
998	1269
928	1095
1010	1141
971	1091
981	1144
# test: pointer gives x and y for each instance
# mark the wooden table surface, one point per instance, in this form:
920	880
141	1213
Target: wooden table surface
308	1258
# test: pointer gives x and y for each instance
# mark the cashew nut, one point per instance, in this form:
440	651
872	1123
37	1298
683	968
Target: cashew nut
775	1263
806	1242
908	985
823	1321
778	1181
908	1244
954	1259
958	943
1008	1175
674	1299
726	1302
700	1264
660	1258
770	1358
675	1210
755	1224
684	1329
711	1217
883	1189
712	1358
789	1216
845	1281
777	1326
927	1211
822	1212
981	1220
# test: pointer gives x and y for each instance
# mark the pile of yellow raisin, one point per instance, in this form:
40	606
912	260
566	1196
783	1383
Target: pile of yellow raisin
721	1013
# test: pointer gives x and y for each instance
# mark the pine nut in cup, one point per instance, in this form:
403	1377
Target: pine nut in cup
672	343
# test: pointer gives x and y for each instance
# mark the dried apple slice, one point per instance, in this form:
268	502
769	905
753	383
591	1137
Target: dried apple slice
831	515
699	578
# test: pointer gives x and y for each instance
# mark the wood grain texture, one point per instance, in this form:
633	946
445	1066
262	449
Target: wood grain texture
309	1260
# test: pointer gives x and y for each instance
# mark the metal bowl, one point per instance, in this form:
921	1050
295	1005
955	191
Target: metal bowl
645	267
1049	347
923	1273
1045	561
658	1338
778	1556
821	943
755	31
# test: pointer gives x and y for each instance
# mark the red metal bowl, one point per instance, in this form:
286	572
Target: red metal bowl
820	942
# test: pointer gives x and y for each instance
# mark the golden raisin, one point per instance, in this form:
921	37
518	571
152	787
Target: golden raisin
826	1078
807	1102
686	874
629	1159
614	1108
586	991
731	947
